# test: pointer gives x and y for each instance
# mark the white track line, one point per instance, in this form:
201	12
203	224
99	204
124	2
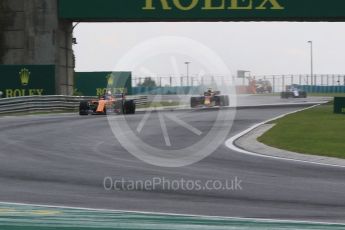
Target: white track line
263	220
184	124
164	130
230	143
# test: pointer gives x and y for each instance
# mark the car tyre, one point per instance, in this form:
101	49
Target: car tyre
84	108
129	107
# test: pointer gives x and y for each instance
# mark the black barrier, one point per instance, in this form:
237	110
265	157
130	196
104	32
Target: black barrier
339	105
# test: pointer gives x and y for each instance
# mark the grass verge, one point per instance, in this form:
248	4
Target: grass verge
159	104
38	113
317	131
326	94
309	94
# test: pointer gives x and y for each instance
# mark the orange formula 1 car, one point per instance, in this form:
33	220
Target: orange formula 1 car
108	103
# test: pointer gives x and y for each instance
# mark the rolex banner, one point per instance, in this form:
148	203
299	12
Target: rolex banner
27	80
201	10
99	83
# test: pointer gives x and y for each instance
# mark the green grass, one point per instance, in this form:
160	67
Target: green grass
266	94
309	94
317	131
39	113
159	104
326	94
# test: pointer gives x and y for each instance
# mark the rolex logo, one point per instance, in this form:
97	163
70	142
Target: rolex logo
24	75
110	79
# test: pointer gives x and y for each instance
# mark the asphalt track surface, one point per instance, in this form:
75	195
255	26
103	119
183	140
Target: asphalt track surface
63	160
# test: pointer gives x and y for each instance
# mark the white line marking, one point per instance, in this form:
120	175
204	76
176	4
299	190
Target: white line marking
143	121
230	143
172	214
164	129
184	124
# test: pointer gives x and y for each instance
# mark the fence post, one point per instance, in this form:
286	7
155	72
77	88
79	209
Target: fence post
274	84
315	80
300	79
283	82
307	76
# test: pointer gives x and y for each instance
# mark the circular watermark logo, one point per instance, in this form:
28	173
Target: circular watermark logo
203	142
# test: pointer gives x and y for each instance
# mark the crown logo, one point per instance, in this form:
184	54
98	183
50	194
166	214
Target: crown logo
110	79
24	75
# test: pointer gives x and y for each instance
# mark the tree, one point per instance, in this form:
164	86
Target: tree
148	82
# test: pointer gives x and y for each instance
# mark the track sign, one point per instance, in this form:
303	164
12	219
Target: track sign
202	10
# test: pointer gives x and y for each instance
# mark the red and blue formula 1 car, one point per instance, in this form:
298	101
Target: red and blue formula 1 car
210	99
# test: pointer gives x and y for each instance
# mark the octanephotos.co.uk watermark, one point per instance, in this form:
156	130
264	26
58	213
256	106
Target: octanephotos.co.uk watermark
165	184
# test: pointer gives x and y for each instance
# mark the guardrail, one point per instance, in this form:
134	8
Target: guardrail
50	103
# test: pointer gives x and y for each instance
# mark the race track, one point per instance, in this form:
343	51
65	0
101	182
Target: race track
63	160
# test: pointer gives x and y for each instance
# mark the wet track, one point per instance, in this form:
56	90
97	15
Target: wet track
63	160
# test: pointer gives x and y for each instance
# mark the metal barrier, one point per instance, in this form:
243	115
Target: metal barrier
50	103
171	85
